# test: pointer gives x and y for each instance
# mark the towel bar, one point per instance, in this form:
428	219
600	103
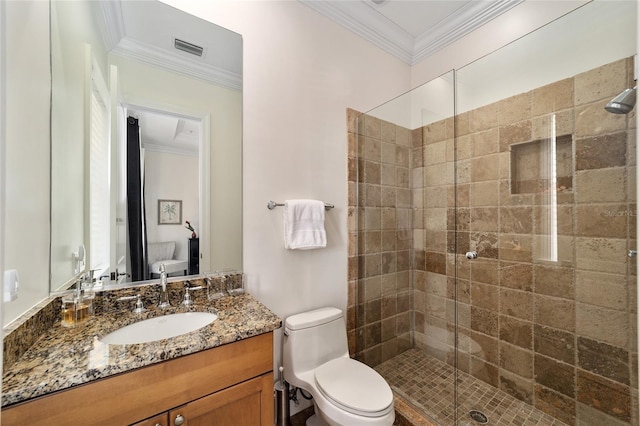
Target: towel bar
272	205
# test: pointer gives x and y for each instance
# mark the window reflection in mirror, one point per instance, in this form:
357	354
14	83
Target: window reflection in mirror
112	60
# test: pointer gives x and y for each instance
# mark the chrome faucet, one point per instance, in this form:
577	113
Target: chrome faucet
164	294
188	301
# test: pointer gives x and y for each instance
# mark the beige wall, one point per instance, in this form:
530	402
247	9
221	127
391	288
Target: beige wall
26	215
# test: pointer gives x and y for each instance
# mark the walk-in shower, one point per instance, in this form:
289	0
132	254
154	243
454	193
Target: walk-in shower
515	158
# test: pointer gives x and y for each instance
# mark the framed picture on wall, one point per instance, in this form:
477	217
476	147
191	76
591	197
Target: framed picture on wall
169	212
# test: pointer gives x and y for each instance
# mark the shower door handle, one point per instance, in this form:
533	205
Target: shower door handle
472	255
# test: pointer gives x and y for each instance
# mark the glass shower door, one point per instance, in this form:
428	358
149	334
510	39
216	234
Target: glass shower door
546	197
404	315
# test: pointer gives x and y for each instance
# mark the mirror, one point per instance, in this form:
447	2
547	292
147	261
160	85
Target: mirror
179	78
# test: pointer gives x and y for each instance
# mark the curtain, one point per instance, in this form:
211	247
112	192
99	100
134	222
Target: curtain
135	203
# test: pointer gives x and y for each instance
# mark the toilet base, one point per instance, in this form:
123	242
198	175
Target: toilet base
315	420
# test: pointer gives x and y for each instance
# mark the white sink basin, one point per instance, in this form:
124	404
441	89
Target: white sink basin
159	328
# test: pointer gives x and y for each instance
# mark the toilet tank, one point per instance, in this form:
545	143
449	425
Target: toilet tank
311	339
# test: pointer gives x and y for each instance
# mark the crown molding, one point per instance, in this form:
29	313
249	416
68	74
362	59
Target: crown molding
117	43
469	18
363	20
111	23
137	51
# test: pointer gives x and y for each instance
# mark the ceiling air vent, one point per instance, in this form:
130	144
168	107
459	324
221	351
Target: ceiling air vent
187	47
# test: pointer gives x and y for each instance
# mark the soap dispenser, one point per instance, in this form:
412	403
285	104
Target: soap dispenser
77	307
68	310
88	292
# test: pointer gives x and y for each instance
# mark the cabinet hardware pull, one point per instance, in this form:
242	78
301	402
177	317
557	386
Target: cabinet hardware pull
179	420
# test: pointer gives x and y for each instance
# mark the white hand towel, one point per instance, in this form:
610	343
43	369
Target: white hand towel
304	224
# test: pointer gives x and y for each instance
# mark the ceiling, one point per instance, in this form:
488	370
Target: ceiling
167	133
411	30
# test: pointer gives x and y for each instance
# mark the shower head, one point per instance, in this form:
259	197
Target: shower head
623	103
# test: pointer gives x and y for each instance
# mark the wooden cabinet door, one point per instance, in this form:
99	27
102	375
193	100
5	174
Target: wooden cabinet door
246	404
159	420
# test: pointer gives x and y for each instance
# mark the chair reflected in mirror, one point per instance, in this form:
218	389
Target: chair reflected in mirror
163	253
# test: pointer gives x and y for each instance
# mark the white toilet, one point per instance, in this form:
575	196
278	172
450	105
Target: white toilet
345	392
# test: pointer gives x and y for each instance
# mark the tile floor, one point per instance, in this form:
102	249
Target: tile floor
426	384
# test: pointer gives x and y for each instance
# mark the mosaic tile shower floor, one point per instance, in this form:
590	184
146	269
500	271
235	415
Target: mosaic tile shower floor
427	383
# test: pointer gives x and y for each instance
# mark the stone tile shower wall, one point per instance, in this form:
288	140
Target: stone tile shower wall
380	238
557	333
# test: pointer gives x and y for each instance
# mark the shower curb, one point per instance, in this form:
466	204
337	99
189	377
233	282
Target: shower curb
408	415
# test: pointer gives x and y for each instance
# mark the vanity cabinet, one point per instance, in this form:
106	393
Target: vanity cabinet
241	404
237	405
228	385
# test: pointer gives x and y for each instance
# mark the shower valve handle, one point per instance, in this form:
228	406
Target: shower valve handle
472	255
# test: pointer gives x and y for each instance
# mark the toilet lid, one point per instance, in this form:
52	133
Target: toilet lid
354	386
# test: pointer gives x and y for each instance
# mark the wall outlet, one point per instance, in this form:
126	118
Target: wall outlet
10	285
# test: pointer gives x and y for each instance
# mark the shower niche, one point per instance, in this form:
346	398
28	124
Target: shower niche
538	165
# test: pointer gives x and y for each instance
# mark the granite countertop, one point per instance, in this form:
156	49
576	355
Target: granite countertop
64	357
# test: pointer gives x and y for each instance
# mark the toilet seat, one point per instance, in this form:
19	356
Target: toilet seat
354	387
